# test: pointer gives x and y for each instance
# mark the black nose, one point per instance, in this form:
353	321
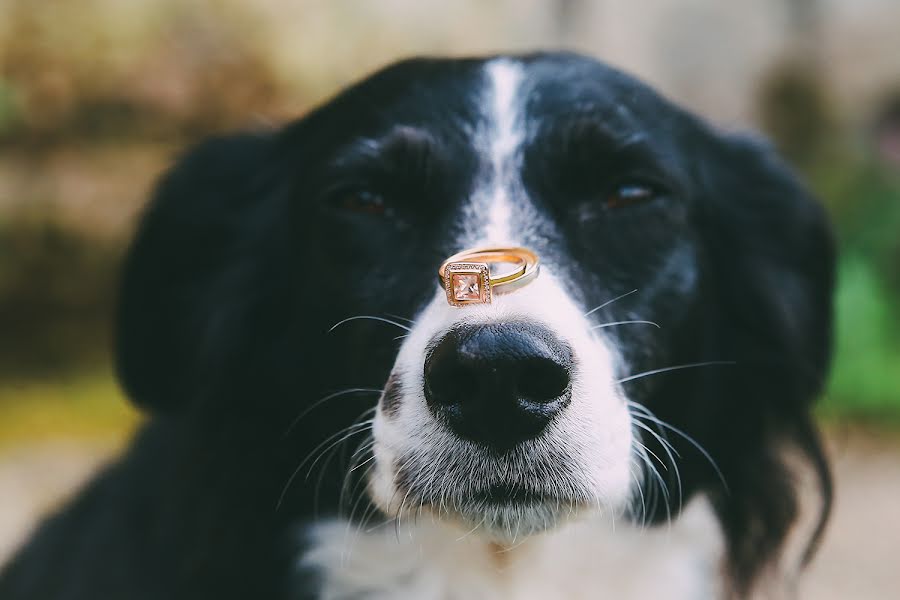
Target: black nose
498	384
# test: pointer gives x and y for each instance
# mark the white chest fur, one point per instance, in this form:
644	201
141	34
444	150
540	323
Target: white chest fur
587	559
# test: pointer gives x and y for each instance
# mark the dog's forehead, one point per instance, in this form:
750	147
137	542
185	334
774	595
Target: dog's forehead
541	87
565	82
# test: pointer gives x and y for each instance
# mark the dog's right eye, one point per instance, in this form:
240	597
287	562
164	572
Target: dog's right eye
630	193
360	201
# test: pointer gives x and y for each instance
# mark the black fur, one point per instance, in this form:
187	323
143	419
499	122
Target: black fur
223	326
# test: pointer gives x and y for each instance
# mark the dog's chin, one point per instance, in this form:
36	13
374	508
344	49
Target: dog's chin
510	523
499	514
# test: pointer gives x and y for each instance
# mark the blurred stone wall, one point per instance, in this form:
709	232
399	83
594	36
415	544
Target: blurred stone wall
209	62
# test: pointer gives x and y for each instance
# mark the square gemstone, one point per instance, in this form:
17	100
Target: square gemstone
466	286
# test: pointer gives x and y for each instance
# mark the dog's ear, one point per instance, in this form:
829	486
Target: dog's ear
771	252
187	282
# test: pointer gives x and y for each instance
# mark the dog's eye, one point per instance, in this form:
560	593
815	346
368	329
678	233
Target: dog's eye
361	201
630	193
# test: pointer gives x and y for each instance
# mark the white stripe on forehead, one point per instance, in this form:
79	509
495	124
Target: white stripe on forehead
500	141
505	77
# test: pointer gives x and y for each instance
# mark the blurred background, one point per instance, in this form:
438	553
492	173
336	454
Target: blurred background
98	96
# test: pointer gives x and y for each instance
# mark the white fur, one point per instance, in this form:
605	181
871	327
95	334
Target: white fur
504	140
434	560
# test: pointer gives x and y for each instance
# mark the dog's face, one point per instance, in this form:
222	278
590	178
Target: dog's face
663	244
510	415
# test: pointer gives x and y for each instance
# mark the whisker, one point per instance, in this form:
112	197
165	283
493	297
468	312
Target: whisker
370	317
608	302
668	449
473	530
323	470
322	401
368	513
397	490
399	515
329	453
660	434
675	368
355	428
349	433
364	446
363	463
614	323
399	318
664	489
355	528
653	454
346	494
640	490
696	445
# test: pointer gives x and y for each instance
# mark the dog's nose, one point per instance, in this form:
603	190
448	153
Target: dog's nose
498	384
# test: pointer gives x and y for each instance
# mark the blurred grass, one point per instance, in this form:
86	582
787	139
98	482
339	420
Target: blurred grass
86	404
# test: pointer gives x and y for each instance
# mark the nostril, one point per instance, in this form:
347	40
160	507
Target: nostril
541	380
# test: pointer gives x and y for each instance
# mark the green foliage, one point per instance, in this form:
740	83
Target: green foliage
864	201
866	378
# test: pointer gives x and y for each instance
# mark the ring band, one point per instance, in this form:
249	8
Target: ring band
467	277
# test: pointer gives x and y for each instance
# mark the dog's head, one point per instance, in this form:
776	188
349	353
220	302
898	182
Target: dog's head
672	343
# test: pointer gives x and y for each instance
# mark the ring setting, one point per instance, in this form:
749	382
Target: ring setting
473	276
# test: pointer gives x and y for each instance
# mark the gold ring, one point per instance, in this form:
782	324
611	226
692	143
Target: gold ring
467	276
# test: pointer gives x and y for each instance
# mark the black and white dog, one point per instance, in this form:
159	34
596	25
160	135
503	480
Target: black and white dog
632	424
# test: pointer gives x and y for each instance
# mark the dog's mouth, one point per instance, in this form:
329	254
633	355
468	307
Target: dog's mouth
502	494
493	496
478	497
506	513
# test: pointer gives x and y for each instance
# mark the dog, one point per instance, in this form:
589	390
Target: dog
632	423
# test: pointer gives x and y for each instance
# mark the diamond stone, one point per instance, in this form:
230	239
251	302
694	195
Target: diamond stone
466	286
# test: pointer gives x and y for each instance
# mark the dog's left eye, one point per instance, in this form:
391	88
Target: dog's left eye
630	193
361	201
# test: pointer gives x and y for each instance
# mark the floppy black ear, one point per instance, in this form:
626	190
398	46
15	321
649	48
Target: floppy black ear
187	283
773	251
772	255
